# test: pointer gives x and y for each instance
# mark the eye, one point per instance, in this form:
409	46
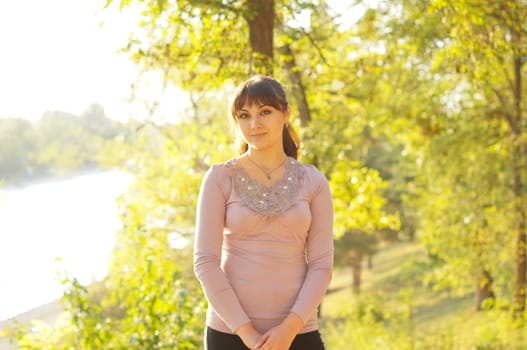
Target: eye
266	112
242	116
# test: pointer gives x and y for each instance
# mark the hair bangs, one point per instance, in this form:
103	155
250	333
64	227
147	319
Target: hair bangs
259	92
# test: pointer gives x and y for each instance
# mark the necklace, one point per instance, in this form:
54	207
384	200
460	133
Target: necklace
267	173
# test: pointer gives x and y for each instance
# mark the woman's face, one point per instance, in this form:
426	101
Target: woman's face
261	126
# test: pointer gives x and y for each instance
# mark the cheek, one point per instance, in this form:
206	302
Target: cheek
243	129
279	126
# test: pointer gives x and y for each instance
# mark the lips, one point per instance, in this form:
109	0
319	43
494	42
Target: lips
258	135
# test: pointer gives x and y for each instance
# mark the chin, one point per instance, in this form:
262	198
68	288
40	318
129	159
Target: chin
257	147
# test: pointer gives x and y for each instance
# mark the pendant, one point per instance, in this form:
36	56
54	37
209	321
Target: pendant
268	176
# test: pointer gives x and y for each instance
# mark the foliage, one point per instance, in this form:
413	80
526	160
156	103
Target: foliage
58	144
41	336
397	311
477	235
489	48
201	45
150	298
451	77
363	330
358	199
359	214
16	141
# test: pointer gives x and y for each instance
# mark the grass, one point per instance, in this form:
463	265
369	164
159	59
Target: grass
395	272
395	310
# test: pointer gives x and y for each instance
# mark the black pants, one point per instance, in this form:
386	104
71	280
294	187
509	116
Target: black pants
215	340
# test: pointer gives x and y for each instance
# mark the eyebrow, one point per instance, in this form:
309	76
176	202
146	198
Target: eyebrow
246	110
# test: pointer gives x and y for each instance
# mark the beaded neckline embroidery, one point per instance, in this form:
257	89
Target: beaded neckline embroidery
270	201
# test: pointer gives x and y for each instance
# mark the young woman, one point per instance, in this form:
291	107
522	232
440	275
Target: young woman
264	233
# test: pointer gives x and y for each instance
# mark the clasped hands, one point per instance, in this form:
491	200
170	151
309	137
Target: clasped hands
277	338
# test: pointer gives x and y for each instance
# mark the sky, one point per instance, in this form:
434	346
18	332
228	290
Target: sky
62	55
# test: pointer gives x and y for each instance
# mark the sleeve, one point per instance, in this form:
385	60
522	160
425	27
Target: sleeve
319	252
210	219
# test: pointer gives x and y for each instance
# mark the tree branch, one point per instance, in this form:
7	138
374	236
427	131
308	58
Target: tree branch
509	117
313	42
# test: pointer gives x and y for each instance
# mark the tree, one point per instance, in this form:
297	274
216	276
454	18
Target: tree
489	48
190	38
201	45
359	215
350	250
467	60
16	143
466	210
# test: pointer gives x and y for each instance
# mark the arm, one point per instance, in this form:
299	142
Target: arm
319	252
210	220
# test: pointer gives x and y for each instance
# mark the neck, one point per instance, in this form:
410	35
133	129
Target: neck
267	160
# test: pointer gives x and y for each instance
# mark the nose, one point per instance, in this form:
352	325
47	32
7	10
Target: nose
254	121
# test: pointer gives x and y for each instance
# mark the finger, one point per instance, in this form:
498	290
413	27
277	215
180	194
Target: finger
262	340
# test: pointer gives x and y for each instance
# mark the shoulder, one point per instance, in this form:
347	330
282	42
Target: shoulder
314	180
313	174
223	169
218	177
223	172
316	185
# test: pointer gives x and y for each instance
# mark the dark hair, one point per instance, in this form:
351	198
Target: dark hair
267	91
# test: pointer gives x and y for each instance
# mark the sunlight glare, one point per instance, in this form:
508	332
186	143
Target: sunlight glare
55	56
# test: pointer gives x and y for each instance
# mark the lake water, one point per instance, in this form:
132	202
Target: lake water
57	226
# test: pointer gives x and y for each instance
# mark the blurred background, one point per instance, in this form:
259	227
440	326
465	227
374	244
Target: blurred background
112	111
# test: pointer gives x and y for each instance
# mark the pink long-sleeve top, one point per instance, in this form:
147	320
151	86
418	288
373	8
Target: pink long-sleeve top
263	252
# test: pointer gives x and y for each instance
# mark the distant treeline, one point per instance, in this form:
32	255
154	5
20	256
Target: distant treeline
58	144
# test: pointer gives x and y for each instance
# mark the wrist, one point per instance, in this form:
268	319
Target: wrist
293	322
248	334
244	329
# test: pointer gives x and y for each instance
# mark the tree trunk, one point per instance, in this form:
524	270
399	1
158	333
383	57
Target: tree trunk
519	287
356	261
260	17
484	289
298	89
370	261
519	156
